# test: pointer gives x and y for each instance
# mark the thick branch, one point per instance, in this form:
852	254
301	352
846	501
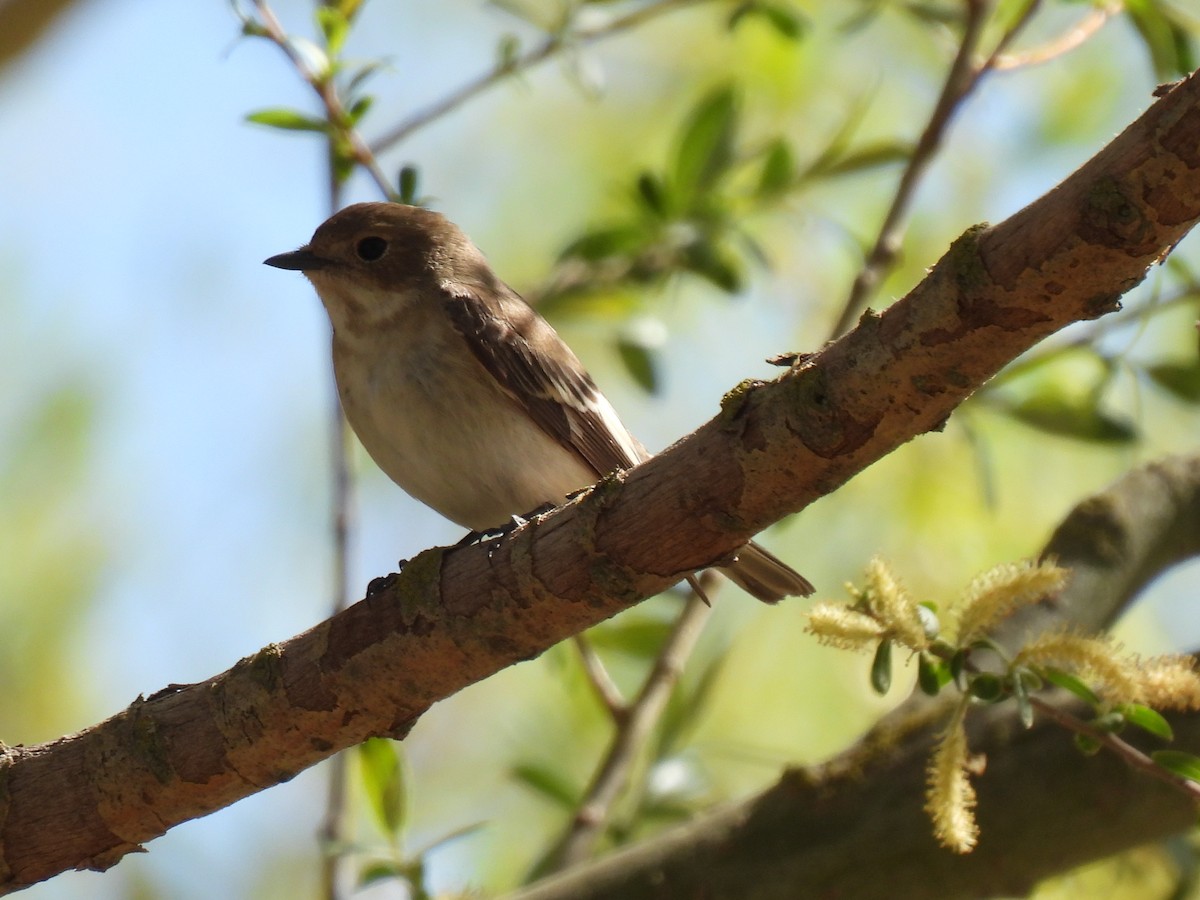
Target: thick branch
857	828
456	616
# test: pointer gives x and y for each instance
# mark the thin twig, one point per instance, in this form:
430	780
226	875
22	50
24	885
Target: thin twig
1132	756
611	778
961	79
1076	36
605	688
551	46
333	823
335	113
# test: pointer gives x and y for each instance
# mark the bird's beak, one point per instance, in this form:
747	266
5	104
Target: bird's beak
302	260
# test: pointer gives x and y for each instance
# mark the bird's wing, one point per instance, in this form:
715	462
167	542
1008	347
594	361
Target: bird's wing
538	370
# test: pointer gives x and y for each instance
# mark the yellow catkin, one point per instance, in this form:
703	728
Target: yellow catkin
1003	589
949	796
840	626
894	606
1169	682
1097	660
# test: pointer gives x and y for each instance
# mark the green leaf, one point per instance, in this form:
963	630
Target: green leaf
706	143
334	26
1069	682
652	193
605	243
1165	37
987	687
288	120
359	108
782	17
549	783
409	179
881	667
1149	720
1089	746
1180	380
932	674
382	870
1055	413
715	264
1180	763
641	363
872	156
349	8
383	779
639	637
778	171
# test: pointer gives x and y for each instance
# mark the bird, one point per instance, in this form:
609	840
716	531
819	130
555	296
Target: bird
458	389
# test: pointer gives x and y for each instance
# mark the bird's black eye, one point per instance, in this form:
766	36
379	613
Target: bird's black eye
371	248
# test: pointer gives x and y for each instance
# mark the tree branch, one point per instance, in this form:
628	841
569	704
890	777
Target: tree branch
455	616
1043	806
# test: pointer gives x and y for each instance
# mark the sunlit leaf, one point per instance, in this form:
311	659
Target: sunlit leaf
705	149
783	17
288	120
384	783
1149	720
1166	38
334	25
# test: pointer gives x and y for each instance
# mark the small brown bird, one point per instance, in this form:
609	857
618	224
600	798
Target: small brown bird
462	393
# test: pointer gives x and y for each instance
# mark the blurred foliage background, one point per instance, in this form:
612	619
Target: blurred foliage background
685	199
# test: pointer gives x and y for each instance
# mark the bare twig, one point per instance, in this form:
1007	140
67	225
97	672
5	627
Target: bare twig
1131	755
550	47
633	729
961	79
602	684
1074	37
335	113
332	833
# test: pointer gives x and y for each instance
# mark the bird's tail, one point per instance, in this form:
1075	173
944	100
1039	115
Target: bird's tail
764	576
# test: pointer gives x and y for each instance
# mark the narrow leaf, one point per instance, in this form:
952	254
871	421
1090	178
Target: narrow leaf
706	142
1182	381
881	667
1069	682
1149	720
383	778
549	783
1081	419
288	120
641	363
778	171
